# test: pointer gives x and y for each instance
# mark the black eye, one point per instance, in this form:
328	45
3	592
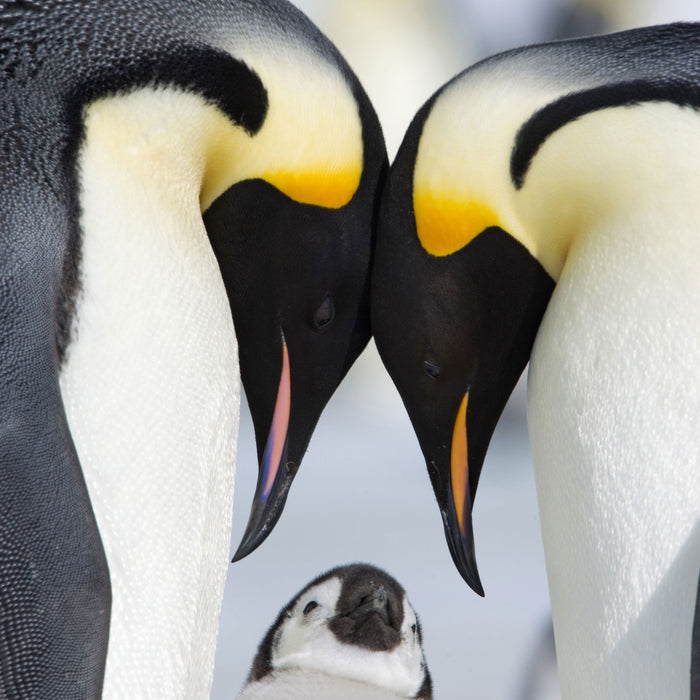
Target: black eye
324	314
413	629
311	605
432	368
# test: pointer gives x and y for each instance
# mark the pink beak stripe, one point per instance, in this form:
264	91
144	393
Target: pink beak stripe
278	429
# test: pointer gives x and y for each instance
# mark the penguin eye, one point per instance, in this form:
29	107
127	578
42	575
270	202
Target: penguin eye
311	605
432	368
324	314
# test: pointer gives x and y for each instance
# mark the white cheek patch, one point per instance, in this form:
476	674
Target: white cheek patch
298	635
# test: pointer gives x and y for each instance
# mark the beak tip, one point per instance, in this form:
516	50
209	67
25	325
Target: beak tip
244	549
241	553
475	585
264	515
471	578
255	534
462	549
469	571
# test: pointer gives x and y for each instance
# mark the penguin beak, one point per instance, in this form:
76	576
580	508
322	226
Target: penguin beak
443	424
375	602
275	474
457	516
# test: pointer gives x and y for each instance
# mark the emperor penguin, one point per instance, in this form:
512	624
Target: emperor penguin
544	207
187	190
350	634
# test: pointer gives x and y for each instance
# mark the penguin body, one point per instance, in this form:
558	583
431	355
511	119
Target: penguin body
173	208
616	449
350	633
163	505
545	203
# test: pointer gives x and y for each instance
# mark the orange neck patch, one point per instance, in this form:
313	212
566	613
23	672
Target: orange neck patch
322	189
445	224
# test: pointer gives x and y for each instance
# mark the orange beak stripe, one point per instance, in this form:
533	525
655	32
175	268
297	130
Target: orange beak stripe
278	429
459	465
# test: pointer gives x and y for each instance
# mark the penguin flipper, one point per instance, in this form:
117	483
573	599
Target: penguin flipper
55	593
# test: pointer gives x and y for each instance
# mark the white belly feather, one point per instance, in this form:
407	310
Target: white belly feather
151	389
614	415
306	684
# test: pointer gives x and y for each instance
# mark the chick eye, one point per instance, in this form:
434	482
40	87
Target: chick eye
324	314
311	605
432	368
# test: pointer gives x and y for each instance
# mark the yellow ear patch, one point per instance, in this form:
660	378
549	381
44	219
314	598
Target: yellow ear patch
309	174
446	224
310	145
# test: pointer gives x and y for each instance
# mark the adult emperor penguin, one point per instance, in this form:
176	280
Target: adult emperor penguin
350	634
543	206
166	167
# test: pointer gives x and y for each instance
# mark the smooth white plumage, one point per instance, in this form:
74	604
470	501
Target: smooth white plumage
307	684
614	416
158	449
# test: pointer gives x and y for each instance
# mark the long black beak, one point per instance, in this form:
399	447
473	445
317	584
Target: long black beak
457	513
276	474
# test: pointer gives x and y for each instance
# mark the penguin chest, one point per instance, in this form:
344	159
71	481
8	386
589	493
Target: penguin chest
305	684
613	413
151	390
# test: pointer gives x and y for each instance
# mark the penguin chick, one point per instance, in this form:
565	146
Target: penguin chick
349	634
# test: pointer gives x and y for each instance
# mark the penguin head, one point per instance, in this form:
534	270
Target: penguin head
293	236
500	177
353	622
456	299
267	132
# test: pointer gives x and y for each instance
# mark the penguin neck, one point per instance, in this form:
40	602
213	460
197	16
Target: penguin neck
609	173
597	172
180	146
151	388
